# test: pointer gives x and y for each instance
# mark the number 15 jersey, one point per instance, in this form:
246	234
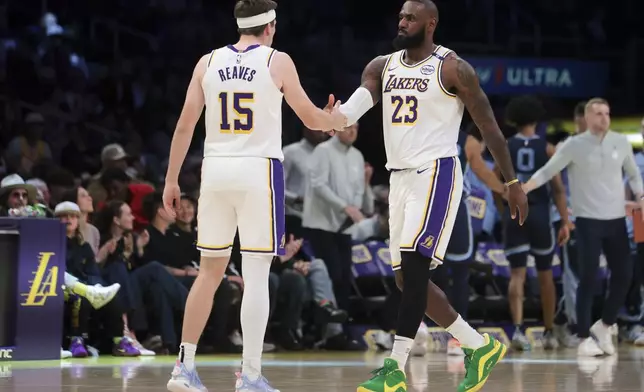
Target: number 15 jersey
421	119
243	104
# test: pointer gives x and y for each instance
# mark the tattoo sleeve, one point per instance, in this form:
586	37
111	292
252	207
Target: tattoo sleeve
372	77
464	79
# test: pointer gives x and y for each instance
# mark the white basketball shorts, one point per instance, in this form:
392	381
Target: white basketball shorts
245	193
423	204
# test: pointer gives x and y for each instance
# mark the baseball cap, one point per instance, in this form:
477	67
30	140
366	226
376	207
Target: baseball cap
113	152
67	207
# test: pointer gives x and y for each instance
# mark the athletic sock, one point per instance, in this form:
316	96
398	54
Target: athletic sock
465	334
400	351
187	353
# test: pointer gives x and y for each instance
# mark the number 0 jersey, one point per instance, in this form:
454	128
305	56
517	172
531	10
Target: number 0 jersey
243	104
421	119
529	154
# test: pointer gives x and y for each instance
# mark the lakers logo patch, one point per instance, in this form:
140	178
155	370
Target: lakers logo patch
428	242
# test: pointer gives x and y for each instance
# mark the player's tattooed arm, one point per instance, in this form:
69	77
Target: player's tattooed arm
372	77
369	92
460	77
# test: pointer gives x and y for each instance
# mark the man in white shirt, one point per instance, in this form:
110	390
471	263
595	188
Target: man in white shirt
296	160
336	197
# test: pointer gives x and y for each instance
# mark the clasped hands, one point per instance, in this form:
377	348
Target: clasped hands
339	119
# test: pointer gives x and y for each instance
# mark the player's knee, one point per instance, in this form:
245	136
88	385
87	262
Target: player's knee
517	275
213	265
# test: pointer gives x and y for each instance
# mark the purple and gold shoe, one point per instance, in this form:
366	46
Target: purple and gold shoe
125	348
77	348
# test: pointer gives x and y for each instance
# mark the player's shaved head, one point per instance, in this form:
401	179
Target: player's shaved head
418	20
430	7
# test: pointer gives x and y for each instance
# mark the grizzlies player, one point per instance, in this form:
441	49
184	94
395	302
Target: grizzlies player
529	153
242	183
424	88
454	279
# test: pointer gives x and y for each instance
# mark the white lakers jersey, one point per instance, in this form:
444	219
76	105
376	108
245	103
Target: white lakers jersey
421	119
243	104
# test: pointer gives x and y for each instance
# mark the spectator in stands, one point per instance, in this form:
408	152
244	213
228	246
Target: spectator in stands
43	196
81	263
296	161
81	197
79	155
165	247
113	156
337	196
375	227
163	295
290	300
119	186
15	193
59	181
299	271
185	229
27	149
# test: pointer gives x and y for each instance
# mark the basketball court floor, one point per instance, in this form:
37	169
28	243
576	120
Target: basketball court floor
316	372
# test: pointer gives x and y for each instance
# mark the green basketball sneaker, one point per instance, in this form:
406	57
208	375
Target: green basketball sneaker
386	379
479	363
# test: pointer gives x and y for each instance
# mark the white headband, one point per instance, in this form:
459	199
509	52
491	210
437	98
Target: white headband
257	20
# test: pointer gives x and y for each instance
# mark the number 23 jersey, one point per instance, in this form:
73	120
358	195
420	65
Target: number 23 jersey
243	104
421	119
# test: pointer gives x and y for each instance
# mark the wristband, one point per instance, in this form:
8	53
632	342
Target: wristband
511	182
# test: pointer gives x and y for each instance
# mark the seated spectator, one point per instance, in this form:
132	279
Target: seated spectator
59	181
148	290
312	279
81	197
81	263
119	186
15	193
27	149
184	228
113	156
43	195
375	227
166	247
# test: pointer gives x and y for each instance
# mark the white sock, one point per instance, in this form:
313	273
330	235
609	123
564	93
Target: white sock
187	353
400	351
465	334
255	308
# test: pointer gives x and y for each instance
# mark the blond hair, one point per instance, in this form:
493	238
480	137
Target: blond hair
595	101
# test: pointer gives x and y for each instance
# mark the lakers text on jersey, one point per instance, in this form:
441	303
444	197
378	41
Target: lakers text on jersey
421	119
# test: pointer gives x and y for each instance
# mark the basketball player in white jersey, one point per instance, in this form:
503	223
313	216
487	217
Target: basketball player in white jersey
242	183
425	88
